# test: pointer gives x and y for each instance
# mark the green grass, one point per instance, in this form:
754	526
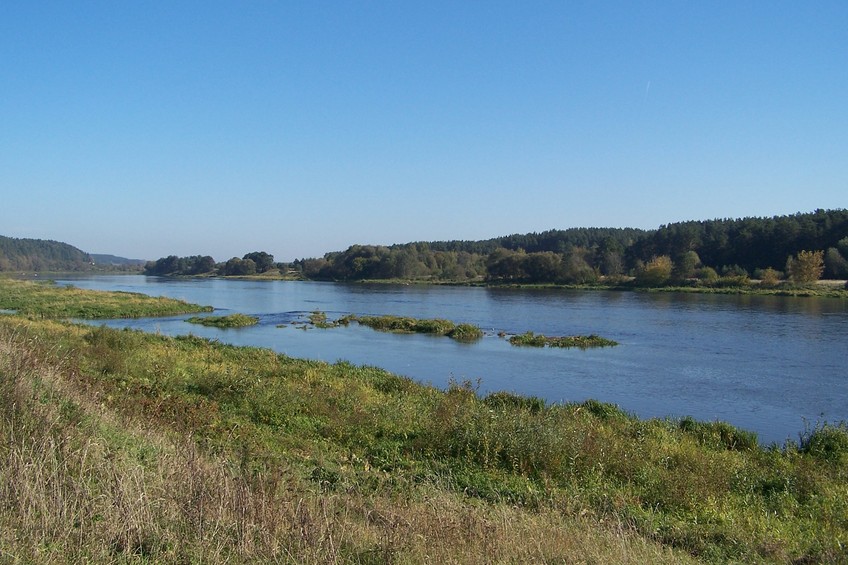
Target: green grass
47	300
351	433
820	290
122	447
228	321
402	324
823	289
530	339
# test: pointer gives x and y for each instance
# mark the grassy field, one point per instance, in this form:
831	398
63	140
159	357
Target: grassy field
124	447
48	300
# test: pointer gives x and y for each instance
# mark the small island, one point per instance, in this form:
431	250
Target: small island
228	321
530	339
437	326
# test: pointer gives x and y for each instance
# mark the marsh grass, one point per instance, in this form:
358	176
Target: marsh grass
228	321
319	319
120	446
80	483
530	339
435	326
47	300
784	289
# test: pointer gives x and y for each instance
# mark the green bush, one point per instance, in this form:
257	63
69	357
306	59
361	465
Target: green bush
719	435
466	332
528	339
504	400
827	442
604	410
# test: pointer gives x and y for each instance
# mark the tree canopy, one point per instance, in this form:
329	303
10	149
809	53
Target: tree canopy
721	251
41	255
735	248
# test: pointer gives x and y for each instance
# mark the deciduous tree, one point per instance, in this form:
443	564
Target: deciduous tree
656	272
806	267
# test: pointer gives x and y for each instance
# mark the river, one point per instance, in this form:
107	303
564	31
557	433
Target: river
768	364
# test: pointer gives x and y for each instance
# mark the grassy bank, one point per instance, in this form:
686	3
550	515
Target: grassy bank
120	445
48	300
124	447
811	291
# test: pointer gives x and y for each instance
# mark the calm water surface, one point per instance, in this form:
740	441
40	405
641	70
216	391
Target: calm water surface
766	364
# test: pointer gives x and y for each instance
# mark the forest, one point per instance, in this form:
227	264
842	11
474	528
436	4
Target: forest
41	255
721	250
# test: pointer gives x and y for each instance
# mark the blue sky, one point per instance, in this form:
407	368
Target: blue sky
147	129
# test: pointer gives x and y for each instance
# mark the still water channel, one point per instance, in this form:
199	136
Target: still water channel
766	364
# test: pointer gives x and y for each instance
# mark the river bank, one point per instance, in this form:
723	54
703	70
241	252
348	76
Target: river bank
356	442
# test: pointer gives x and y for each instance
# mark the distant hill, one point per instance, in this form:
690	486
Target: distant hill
115	261
41	255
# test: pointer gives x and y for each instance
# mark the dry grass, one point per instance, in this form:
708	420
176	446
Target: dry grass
79	484
120	446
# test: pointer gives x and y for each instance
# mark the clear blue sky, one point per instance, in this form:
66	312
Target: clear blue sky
145	129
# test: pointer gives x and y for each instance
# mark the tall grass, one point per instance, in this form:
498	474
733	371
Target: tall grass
80	484
228	321
436	326
122	446
47	300
530	339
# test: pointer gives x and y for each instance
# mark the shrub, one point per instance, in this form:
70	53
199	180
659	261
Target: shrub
505	400
656	272
769	278
806	267
528	339
719	435
466	332
826	441
707	275
603	410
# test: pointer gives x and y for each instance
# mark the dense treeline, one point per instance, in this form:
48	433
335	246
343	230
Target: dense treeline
253	263
722	251
573	255
41	255
752	244
558	241
410	261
